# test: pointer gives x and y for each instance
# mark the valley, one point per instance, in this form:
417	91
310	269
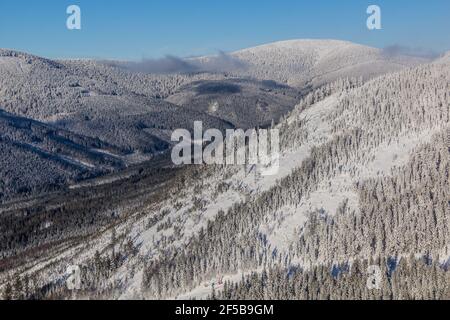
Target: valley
87	177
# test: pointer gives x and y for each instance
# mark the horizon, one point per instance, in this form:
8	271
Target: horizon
399	50
141	30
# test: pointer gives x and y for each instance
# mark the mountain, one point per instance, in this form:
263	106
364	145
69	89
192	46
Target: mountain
363	168
301	63
92	99
243	102
101	107
445	58
38	157
134	113
363	182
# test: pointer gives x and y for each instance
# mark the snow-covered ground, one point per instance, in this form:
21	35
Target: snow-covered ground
180	217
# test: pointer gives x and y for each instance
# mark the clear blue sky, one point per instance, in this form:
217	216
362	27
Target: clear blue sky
135	29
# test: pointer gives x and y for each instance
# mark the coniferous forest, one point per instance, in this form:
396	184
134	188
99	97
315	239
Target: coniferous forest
359	208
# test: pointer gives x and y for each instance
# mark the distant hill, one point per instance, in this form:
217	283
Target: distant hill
363	181
38	157
300	63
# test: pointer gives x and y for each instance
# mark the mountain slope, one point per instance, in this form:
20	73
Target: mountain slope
38	157
373	184
134	111
444	59
261	76
244	103
364	176
300	63
95	100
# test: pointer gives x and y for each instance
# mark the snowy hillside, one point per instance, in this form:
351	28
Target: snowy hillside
37	157
134	112
300	63
242	102
91	99
445	58
363	180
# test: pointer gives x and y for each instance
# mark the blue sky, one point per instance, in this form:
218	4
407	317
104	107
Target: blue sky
136	29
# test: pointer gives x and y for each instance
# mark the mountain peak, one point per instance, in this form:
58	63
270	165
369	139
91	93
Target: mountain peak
301	62
304	44
26	58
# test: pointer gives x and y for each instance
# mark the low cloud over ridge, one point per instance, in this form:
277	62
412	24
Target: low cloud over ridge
222	62
397	50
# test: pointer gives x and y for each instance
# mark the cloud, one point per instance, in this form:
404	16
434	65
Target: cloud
168	64
222	62
399	50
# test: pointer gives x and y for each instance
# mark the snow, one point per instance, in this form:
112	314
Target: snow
202	291
332	192
13	65
317	58
300	62
240	181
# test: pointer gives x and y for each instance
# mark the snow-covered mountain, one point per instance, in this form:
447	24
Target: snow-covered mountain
445	58
300	63
134	112
92	99
363	180
38	158
121	111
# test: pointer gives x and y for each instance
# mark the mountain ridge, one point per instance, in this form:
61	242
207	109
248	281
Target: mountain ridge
364	166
